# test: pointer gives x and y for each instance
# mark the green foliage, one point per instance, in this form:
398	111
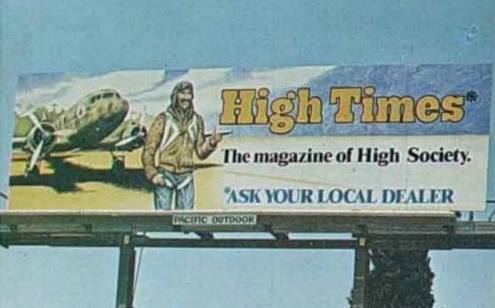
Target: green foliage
399	279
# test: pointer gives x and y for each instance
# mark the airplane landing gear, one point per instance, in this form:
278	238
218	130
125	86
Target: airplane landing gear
32	174
118	163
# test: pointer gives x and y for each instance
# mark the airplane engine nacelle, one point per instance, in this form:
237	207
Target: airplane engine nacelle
136	136
36	136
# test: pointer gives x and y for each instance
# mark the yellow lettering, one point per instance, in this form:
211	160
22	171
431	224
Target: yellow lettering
453	110
344	98
262	106
395	109
309	110
281	122
427	109
367	115
237	106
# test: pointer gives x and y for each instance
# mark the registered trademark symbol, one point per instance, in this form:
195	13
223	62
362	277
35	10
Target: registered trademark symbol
471	96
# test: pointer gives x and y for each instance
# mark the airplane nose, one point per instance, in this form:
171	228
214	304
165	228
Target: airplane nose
125	106
120	106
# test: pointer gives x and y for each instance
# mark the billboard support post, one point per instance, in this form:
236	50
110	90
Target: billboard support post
361	272
125	283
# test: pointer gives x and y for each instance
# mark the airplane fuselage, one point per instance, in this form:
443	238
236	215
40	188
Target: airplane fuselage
83	126
91	119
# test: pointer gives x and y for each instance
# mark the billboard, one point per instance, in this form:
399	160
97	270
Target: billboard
334	138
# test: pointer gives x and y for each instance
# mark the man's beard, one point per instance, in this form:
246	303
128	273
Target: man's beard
184	112
189	104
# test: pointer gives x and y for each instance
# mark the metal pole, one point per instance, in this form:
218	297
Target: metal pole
361	271
125	283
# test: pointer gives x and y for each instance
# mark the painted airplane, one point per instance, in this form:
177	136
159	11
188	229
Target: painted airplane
95	122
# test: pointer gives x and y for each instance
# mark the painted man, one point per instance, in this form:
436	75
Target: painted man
173	138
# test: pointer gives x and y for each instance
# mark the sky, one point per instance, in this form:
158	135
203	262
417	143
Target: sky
151	89
98	37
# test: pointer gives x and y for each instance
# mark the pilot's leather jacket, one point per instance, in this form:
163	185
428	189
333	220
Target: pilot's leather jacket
172	140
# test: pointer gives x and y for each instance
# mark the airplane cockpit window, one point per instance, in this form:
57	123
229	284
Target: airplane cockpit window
108	95
105	95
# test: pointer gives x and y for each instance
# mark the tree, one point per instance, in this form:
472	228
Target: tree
399	279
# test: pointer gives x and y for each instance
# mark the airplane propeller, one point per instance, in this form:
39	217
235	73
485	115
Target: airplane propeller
35	156
35	120
141	118
142	128
46	137
138	135
46	134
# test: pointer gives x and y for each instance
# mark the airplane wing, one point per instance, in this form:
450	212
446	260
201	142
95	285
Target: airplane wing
130	135
18	142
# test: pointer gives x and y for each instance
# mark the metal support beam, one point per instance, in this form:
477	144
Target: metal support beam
143	241
125	283
205	236
361	272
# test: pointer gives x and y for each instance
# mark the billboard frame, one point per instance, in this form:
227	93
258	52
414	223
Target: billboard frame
126	231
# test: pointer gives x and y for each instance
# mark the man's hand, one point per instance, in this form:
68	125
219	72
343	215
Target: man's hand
159	180
215	139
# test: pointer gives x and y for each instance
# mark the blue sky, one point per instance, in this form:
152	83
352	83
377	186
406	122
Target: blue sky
102	36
